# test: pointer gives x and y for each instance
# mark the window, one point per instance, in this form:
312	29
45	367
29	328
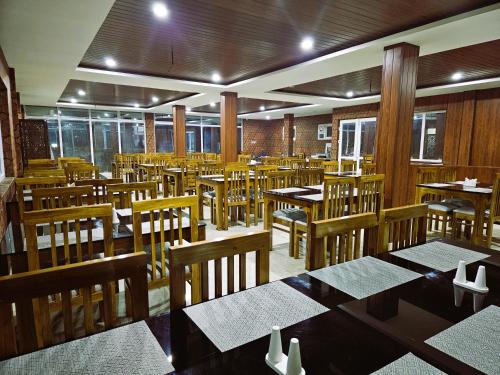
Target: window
55	144
164	137
105	137
211	139
357	138
76	139
193	139
132	137
428	137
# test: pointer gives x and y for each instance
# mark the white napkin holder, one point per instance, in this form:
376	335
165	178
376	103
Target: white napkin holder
478	285
470	183
279	362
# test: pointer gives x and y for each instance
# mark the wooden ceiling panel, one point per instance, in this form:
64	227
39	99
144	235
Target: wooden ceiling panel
97	93
246	38
248	105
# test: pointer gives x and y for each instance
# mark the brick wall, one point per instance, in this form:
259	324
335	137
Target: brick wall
306	134
263	137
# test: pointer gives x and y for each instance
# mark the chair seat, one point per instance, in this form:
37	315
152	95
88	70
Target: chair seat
442	207
295	214
469	211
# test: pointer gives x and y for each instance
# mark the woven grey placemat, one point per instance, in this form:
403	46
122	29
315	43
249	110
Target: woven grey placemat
439	256
409	364
131	349
475	340
363	277
239	318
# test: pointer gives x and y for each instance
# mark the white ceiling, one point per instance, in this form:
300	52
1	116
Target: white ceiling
45	41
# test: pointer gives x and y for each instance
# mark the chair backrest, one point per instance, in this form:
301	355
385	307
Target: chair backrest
293	162
81	171
368	158
198	255
31	329
427	175
236	184
122	195
59	197
310	177
29	183
316	163
281	179
495	201
212	168
370	194
344	236
338	196
331	166
78	240
447	174
190	170
166	223
244	158
402	227
100	187
274	160
348	166
368	168
41	163
62	161
30	172
260	180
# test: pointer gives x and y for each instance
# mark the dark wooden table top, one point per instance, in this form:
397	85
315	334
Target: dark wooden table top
455	187
354	337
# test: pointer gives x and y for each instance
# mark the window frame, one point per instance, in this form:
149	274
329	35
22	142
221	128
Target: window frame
421	159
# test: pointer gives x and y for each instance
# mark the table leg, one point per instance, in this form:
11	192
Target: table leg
477	231
219	208
268	218
178	186
199	192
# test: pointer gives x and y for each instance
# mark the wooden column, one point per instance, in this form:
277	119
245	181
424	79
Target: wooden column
179	117
288	134
394	126
149	121
228	126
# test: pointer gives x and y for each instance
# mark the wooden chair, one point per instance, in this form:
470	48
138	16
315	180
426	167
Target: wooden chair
81	171
236	192
271	160
331	166
244	158
24	184
62	161
300	155
402	227
368	158
199	254
41	163
166	225
259	186
122	195
348	238
447	174
368	168
59	197
100	187
81	223
338	201
30	329
370	194
316	163
211	168
190	171
310	177
348	166
29	172
293	163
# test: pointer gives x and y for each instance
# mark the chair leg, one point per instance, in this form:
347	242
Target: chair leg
296	246
256	212
291	239
445	225
247	214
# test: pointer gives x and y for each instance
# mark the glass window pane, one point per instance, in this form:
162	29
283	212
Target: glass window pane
105	135
34	111
415	136
348	133
74	112
434	136
163	117
103	114
132	137
164	135
193	139
53	128
368	134
211	139
210	120
193	120
128	115
76	139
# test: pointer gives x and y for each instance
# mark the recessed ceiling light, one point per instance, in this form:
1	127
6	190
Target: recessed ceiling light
81	92
457	76
135	118
188	109
136	105
212	104
160	10
110	62
349	94
307	43
216	77
72	100
155	99
106	114
268	117
262	108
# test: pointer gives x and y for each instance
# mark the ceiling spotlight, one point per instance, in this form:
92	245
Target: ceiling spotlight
457	76
349	94
155	99
307	43
212	104
136	105
81	92
268	117
188	109
216	77
160	10
110	62
72	100
262	108
106	114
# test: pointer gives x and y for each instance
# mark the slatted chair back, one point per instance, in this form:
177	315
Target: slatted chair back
76	242
82	171
59	197
199	254
338	196
348	166
402	227
370	194
122	195
24	184
30	292
316	163
368	158
293	163
426	175
281	179
260	185
244	158
271	160
212	168
331	166
166	225
237	189
210	156
42	163
447	174
62	161
190	170
368	168
310	177
29	172
347	238
195	155
300	155
100	187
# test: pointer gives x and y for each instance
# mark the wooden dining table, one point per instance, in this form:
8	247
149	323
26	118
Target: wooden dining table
392	327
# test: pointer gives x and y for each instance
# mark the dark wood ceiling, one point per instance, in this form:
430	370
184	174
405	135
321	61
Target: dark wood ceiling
118	95
246	38
475	62
248	105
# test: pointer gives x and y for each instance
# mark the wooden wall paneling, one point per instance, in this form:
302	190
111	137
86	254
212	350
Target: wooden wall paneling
179	122
288	122
16	132
228	126
149	121
466	126
394	127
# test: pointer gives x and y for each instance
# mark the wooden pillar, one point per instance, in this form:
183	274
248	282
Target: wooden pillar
15	130
394	126
288	134
179	117
149	122
228	126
